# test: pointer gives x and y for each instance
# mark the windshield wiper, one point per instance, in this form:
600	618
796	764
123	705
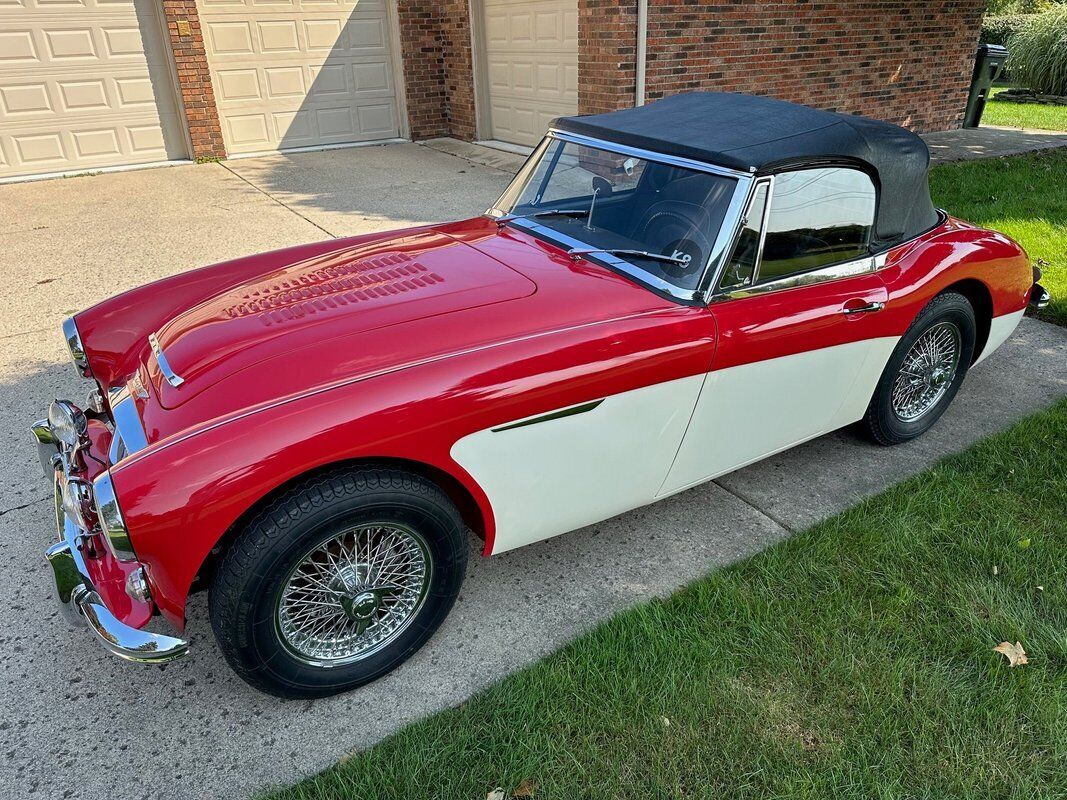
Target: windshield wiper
581	251
551	212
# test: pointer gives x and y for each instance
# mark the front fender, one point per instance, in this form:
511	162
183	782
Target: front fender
183	493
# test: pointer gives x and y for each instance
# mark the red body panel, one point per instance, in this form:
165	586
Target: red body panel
807	318
530	331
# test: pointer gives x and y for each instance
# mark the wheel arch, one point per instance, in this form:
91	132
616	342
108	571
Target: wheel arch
981	300
457	492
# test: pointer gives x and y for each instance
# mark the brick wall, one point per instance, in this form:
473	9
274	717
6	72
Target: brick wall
194	79
458	68
422	53
435	44
897	60
607	52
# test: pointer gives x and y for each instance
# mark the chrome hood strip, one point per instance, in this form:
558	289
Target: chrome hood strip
173	378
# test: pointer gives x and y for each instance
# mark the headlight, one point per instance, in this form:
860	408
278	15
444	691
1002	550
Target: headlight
75	347
68	422
111	521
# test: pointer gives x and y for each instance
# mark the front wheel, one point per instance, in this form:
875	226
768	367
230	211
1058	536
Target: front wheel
338	581
924	372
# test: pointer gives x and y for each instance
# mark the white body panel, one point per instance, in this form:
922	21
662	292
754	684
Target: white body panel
555	476
748	412
999	330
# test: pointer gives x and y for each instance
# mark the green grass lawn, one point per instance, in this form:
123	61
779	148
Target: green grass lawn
853	660
1023	115
1023	196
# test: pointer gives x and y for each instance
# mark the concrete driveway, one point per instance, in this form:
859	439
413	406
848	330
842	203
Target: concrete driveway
79	723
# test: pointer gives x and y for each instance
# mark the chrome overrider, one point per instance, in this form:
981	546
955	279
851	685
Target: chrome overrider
87	514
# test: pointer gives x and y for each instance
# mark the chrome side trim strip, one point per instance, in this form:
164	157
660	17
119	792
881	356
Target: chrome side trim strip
173	378
75	347
128	428
846	269
551	415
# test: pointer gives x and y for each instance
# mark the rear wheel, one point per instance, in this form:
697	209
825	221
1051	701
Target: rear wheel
924	372
338	581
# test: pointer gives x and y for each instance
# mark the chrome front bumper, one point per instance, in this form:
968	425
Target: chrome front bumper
74	589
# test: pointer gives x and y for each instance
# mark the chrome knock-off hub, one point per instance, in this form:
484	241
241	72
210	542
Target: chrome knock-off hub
353	594
926	372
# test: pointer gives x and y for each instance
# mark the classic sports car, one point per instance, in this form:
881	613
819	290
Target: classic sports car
662	295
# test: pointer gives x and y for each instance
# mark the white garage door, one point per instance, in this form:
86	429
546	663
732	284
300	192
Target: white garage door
300	73
84	84
531	51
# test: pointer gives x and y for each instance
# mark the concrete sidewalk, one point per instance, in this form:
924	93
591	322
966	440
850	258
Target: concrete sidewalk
969	144
79	723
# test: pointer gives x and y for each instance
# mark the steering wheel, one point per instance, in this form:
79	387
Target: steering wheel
674	228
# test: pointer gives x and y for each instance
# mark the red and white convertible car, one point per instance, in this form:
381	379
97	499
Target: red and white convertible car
662	295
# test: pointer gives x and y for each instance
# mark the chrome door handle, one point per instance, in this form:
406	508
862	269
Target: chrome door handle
867	309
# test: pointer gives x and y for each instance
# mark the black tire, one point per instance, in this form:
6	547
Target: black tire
246	591
882	423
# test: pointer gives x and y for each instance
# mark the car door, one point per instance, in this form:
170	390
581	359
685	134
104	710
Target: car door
797	308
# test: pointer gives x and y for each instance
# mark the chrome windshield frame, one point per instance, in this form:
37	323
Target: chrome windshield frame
721	247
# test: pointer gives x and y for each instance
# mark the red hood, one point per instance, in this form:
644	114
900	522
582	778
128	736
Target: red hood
370	307
322	302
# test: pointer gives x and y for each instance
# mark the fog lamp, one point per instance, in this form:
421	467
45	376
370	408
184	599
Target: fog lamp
77	500
68	422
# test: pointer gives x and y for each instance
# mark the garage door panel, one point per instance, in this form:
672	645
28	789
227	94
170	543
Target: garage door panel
531	66
323	72
85	85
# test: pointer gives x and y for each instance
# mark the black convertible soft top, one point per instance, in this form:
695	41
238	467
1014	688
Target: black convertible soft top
762	135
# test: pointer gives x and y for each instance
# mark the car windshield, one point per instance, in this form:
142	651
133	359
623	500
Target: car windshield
661	218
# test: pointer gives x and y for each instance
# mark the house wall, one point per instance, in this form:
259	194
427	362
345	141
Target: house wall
435	42
896	60
607	52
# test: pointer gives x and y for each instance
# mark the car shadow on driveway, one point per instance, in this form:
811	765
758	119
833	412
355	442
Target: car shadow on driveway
373	188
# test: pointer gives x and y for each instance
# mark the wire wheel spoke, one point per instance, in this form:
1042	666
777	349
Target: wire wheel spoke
354	593
927	372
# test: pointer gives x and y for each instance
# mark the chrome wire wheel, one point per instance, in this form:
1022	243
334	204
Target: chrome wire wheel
927	372
353	594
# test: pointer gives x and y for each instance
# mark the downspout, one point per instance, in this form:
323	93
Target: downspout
642	37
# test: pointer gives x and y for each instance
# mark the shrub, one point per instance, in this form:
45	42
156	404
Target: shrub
998	29
1037	52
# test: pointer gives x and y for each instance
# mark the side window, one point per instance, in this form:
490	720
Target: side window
817	217
742	264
